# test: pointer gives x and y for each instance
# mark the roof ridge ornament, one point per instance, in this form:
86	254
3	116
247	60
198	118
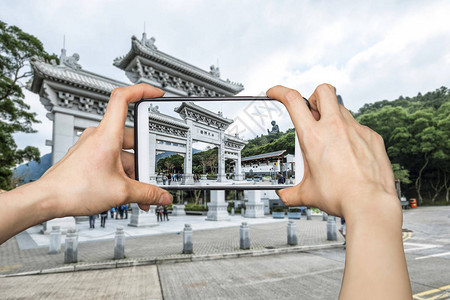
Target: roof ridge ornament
149	43
214	71
69	61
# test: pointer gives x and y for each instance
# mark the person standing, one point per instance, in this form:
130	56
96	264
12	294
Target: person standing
343	230
280	178
92	221
166	213
111	211
157	211
121	208
126	210
103	216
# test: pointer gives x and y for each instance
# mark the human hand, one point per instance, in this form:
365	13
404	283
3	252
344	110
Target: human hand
346	164
96	174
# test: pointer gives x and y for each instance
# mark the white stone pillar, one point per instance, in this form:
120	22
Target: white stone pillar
238	169
221	158
152	158
217	207
255	207
63	135
187	176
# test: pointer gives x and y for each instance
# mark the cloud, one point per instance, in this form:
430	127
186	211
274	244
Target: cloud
369	50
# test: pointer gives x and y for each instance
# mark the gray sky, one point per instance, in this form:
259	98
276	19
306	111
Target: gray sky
369	50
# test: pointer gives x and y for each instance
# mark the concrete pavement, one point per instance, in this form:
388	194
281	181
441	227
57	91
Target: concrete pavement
309	274
268	237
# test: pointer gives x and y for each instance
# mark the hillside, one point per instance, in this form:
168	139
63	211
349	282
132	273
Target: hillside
416	133
270	143
32	170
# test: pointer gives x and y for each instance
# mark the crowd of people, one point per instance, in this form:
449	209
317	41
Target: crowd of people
169	178
119	212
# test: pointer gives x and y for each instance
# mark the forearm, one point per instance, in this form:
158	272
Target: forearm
24	207
375	266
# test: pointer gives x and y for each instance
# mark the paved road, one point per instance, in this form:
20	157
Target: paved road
314	274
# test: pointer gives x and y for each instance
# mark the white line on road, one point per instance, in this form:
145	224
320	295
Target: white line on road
270	280
420	246
434	255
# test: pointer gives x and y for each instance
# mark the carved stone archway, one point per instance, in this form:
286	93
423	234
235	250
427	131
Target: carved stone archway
76	98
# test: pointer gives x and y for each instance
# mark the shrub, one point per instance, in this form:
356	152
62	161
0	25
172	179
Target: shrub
195	207
278	209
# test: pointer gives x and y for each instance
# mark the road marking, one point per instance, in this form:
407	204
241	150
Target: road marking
434	255
439	293
420	246
406	235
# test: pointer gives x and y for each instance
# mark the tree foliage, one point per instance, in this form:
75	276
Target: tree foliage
416	132
271	143
16	48
171	164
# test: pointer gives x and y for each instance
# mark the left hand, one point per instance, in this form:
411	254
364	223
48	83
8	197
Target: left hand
96	174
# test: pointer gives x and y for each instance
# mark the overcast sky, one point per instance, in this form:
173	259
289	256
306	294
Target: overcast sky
369	50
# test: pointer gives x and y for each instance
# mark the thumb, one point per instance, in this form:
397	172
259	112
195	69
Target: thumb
146	194
293	196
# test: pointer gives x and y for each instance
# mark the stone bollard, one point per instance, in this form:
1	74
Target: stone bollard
324	216
119	243
308	214
244	240
187	239
55	240
242	212
292	233
232	211
71	247
331	229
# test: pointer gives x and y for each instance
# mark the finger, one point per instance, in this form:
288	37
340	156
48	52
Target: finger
144	207
128	138
347	115
147	194
117	109
297	108
324	100
294	196
128	163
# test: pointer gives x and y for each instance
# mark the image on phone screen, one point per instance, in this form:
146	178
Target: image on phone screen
216	143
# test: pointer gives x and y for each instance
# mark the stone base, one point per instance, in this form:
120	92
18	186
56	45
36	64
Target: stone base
178	210
221	177
239	177
254	206
188	179
63	223
217	212
254	210
140	218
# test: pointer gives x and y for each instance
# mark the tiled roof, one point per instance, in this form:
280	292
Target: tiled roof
167	119
79	78
137	48
203	110
265	155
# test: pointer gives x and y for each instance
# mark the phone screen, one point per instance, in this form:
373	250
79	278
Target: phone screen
216	143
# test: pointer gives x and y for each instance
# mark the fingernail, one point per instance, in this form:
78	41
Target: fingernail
165	198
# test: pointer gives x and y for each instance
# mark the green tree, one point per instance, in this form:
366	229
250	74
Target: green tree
171	164
416	133
16	48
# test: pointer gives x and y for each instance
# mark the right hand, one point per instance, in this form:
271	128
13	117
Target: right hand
346	165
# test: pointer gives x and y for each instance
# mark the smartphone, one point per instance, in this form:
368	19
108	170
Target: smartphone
226	143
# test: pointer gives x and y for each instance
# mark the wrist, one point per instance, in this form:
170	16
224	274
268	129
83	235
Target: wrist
373	207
